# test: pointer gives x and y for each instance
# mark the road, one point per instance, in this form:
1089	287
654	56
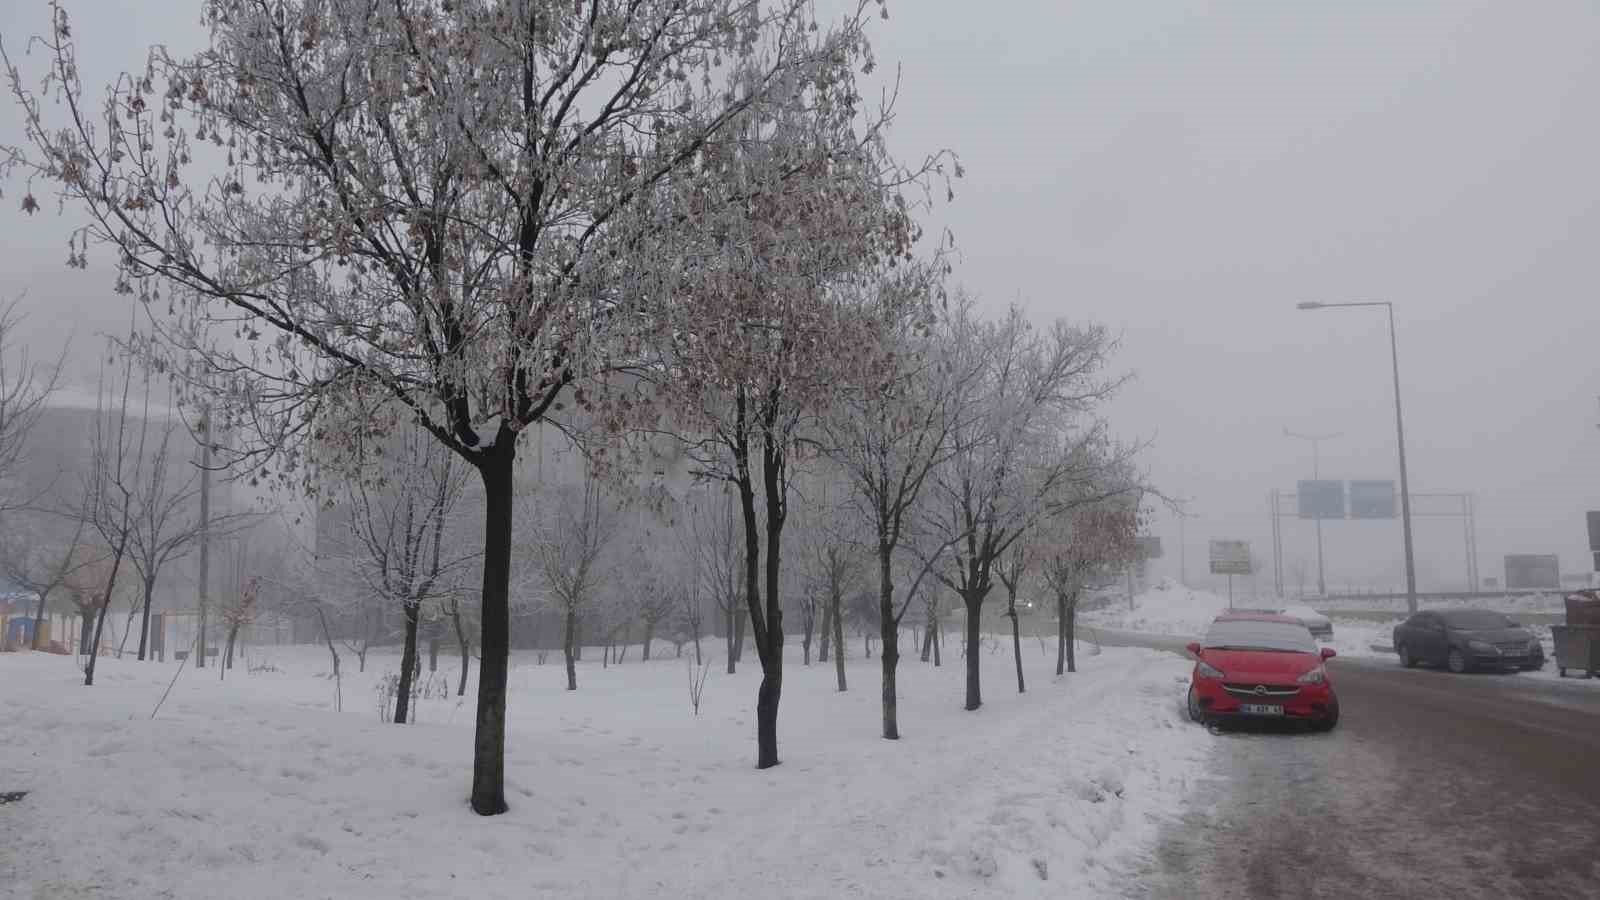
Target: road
1433	785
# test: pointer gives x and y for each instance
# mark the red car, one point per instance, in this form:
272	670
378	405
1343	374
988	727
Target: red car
1261	666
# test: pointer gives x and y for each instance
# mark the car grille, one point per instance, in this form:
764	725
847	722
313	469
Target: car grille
1265	690
1513	648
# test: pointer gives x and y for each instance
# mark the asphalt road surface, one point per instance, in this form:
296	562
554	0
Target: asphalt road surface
1433	785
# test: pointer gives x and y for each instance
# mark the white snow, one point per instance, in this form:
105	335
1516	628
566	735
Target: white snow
254	787
1167	608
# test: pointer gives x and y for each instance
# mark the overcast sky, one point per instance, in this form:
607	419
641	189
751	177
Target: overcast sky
1187	172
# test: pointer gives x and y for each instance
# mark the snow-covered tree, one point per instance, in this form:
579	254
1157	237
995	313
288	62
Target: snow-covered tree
1080	550
448	204
398	521
892	428
578	531
1035	447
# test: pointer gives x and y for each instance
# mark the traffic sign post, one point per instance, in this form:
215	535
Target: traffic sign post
1230	558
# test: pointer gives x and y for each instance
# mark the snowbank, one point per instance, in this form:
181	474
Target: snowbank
254	787
1168	608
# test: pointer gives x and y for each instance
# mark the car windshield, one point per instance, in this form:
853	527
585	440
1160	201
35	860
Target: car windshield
1476	620
1246	634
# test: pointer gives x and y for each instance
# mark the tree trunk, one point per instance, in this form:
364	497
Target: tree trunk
697	647
1016	634
835	600
927	638
144	615
805	642
105	605
733	658
38	622
974	604
866	643
890	630
567	649
826	632
489	741
466	647
650	635
86	633
1061	631
1072	635
433	653
741	620
938	638
408	663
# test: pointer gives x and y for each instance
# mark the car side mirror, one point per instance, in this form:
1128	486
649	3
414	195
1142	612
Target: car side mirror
1194	647
1329	653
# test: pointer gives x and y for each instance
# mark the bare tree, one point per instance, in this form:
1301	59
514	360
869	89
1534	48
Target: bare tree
1012	568
117	458
712	542
1081	551
398	522
25	388
167	526
577	533
892	430
451	205
1035	448
42	564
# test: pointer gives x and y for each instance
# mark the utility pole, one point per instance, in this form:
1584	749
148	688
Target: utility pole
1316	472
1183	556
205	533
1400	445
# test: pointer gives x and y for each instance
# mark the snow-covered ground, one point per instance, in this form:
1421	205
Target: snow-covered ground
254	787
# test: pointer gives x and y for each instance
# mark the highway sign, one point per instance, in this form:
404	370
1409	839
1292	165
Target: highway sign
1230	557
1320	499
1529	570
1372	500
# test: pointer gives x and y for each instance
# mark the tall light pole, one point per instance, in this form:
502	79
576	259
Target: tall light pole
1316	472
1400	441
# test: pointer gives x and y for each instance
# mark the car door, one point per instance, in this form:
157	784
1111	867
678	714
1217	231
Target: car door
1420	637
1435	641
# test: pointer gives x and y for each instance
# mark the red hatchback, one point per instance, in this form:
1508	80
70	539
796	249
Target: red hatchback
1261	666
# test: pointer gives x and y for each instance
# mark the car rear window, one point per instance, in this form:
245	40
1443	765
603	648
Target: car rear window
1242	634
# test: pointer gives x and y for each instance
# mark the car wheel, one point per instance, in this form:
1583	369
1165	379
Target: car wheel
1457	660
1407	661
1196	714
1327	722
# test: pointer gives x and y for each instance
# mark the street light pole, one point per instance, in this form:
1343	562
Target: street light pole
1316	472
1400	440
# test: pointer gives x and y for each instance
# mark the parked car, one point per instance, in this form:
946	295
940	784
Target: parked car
1258	665
1465	639
1320	625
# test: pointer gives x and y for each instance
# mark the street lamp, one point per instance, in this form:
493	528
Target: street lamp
1400	440
1316	472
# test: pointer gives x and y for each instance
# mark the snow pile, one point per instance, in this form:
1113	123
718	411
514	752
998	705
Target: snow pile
1168	608
255	787
1526	603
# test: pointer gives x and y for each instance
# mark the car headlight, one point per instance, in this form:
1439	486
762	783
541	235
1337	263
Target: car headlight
1207	670
1482	646
1319	675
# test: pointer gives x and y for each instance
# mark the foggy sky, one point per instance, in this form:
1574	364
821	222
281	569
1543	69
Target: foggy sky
1186	173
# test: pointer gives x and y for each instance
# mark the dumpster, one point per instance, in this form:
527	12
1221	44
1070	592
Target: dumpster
1578	648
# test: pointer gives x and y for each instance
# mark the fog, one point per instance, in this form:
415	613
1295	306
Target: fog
1186	173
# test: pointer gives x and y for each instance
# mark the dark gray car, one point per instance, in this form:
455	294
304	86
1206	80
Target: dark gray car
1464	639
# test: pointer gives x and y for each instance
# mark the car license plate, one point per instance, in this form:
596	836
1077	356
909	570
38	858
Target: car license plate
1261	709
